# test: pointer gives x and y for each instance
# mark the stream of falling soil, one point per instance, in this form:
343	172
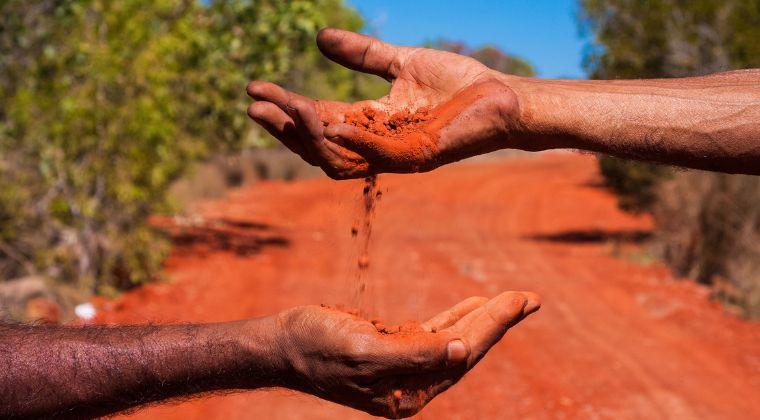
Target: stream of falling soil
362	232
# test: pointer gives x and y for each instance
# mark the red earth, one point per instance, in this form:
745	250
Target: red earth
615	338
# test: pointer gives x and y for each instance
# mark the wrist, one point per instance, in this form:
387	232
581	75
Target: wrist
541	118
260	340
290	359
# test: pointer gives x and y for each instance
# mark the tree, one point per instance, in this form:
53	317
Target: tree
708	224
105	104
490	55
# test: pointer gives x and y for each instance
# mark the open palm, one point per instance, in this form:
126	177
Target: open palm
344	358
471	106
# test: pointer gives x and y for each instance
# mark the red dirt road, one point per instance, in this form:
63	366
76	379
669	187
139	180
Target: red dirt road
614	339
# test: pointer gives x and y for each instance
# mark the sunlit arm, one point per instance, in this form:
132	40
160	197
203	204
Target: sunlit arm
710	122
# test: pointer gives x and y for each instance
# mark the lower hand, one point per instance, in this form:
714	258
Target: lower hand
340	357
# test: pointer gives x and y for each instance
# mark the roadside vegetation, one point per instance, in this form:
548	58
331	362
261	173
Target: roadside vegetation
106	104
707	225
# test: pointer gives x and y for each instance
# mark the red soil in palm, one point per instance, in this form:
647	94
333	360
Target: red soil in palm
381	124
408	327
614	338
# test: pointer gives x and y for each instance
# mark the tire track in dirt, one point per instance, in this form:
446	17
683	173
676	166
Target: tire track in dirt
614	339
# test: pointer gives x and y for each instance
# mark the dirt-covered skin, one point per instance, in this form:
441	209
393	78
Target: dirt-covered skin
387	371
617	336
455	89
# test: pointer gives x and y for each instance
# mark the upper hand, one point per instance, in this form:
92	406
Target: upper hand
473	110
343	358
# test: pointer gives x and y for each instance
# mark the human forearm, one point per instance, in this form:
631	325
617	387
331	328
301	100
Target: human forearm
444	107
710	122
330	353
84	372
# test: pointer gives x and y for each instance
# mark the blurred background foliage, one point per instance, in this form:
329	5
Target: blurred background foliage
707	225
109	106
489	55
107	103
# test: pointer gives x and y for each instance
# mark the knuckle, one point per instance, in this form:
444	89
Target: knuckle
298	104
517	300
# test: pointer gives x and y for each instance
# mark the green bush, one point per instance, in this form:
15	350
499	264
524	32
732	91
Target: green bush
635	183
707	224
106	103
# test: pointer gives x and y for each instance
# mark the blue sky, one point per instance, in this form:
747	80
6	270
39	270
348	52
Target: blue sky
542	31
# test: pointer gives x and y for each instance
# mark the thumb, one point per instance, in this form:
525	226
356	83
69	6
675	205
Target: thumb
361	52
456	352
425	352
486	325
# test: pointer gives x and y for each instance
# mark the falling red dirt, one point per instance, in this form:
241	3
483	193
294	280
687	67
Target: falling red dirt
614	338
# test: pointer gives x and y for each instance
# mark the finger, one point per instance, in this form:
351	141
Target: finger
270	92
354	166
450	316
533	304
329	111
306	121
277	123
305	116
369	145
361	52
485	326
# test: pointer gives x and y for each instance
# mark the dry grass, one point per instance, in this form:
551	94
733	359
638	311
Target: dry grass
214	178
708	228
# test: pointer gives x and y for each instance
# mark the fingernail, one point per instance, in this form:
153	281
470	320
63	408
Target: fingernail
456	352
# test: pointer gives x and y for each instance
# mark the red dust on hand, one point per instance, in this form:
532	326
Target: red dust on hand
394	371
378	122
434	114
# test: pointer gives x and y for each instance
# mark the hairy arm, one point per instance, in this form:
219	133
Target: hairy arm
82	372
710	122
51	371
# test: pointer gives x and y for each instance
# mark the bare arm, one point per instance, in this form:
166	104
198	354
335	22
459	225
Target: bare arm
710	122
54	371
50	371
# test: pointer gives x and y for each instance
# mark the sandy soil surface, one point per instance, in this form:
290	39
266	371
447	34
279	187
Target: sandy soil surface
614	339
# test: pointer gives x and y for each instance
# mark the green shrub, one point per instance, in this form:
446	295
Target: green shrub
106	103
635	183
707	224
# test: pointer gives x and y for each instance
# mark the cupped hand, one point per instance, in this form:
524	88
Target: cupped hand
343	358
473	110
